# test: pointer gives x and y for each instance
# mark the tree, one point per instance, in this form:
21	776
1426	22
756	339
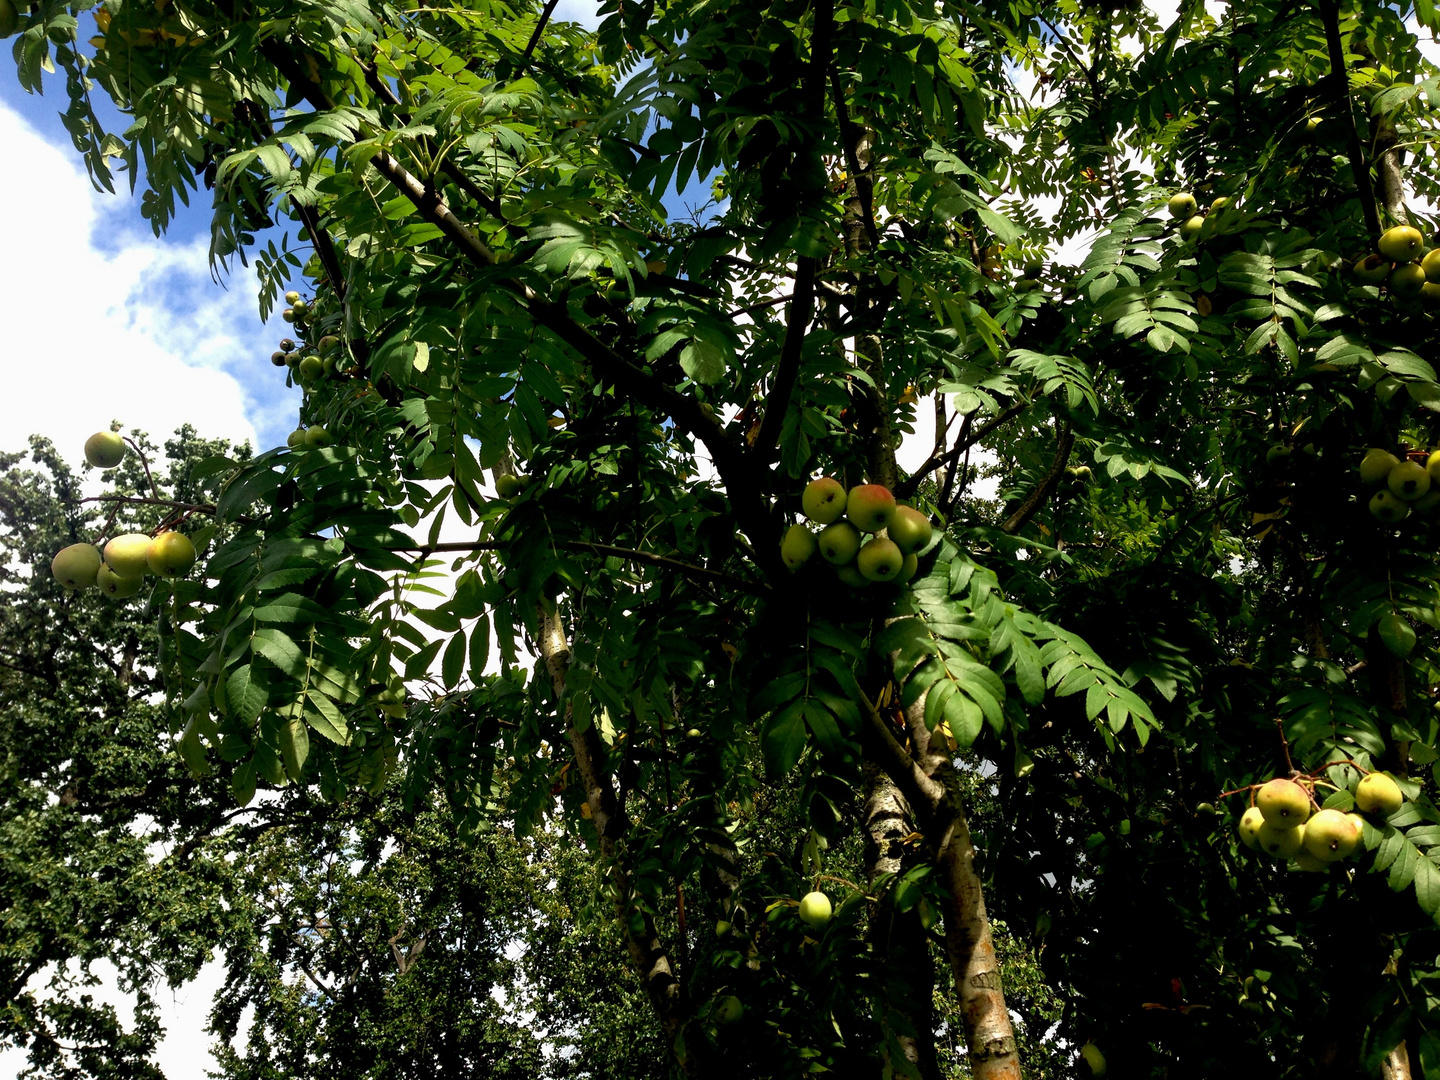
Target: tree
493	278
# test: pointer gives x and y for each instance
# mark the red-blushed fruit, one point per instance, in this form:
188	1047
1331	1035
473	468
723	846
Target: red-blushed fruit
1281	841
75	566
1249	828
1283	802
850	575
869	506
839	543
171	554
1378	794
1330	836
815	909
797	547
880	559
115	586
910	529
104	449
1359	824
823	500
128	555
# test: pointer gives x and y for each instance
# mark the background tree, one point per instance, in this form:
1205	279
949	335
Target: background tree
494	285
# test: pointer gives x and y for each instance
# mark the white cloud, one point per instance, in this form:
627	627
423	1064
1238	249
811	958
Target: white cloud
109	324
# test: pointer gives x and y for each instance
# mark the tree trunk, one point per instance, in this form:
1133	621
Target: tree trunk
898	938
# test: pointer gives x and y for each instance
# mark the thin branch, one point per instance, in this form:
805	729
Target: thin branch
140	500
1340	83
1016	521
324	245
907	486
535	37
924	794
760	306
797	319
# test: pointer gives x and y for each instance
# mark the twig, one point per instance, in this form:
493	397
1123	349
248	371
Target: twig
1016	521
535	37
788	372
907	486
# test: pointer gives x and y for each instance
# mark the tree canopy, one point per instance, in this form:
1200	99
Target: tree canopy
1186	585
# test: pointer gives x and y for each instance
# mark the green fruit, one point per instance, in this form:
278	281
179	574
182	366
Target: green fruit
908	569
797	547
1401	244
75	566
328	342
1384	506
129	555
171	554
1278	456
1378	794
115	586
728	1010
849	574
312	367
1034	269
1182	205
823	500
1090	1053
1283	802
104	449
880	559
1407	280
300	308
1428	504
288	315
909	528
1330	836
508	486
1375	466
1222	203
316	435
722	928
1430	295
1190	228
1397	634
9	18
1312	128
839	543
1408	480
296	438
1310	862
292	360
869	506
1431	265
815	909
1283	842
1372	270
1249	829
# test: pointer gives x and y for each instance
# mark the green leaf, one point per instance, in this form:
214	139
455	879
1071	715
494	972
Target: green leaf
244	697
452	665
327	718
782	740
278	647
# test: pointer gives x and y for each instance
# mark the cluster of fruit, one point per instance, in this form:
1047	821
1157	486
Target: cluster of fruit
890	555
302	438
1403	265
1405	484
309	367
1183	207
128	557
1280	822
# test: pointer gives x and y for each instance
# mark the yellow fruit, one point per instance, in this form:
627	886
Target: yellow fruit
1408	480
879	559
839	543
1283	803
869	507
115	586
815	909
1181	205
1282	842
1250	823
75	566
1375	466
128	555
1330	836
909	528
1407	279
1190	228
1401	244
1095	1059
171	554
1387	508
1431	265
823	500
1378	794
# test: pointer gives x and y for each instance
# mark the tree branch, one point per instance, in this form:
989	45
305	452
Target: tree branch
797	319
906	487
535	37
1016	521
1340	83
